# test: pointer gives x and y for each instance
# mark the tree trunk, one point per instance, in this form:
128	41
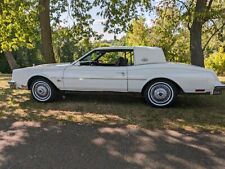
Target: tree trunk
46	33
9	56
11	60
197	57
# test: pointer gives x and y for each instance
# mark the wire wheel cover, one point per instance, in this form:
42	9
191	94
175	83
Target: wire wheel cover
160	93
41	91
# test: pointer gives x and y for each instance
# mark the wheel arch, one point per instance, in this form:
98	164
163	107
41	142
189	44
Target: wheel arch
37	77
180	90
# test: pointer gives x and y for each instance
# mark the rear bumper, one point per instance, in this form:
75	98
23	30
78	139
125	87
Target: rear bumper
218	90
12	84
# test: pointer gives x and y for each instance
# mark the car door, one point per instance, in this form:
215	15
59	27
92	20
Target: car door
95	78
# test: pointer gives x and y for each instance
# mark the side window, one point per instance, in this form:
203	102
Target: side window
117	58
91	57
109	58
130	57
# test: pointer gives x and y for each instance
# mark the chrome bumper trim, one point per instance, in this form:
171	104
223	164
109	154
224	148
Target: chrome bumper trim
12	84
218	90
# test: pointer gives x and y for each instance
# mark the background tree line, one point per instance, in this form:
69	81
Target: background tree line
33	32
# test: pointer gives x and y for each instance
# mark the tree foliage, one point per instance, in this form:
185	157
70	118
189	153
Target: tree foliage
69	45
193	14
216	61
18	22
120	13
138	35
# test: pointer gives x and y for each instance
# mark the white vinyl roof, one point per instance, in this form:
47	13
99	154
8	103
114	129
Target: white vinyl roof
142	54
147	55
125	48
115	48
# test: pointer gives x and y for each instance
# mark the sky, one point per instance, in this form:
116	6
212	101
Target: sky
97	25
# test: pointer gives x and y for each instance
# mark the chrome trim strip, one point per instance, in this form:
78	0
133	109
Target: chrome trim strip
218	90
12	84
220	87
96	78
137	79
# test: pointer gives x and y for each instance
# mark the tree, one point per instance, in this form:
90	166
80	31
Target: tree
197	14
138	35
213	36
197	57
8	54
17	25
194	14
20	20
166	30
51	11
70	42
118	14
11	60
46	33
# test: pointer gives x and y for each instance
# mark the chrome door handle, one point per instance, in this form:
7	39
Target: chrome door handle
123	73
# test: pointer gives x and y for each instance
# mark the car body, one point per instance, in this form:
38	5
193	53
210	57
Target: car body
120	69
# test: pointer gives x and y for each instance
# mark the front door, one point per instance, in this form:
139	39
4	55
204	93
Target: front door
95	78
99	70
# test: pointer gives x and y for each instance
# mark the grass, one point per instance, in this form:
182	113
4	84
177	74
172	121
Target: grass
190	113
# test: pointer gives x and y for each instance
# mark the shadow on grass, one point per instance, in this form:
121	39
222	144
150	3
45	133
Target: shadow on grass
88	130
5	77
192	113
30	144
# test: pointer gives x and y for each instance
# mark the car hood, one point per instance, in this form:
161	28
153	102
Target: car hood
52	65
45	66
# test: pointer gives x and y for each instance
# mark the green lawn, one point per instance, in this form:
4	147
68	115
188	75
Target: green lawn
192	113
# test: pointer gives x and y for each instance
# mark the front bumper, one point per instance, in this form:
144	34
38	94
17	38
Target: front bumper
12	84
218	90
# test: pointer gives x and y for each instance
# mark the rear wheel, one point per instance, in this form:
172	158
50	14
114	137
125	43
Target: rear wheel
42	90
160	93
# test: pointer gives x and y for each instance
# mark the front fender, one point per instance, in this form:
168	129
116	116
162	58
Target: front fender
23	76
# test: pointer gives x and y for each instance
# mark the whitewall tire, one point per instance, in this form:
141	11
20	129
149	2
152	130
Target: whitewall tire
42	90
160	93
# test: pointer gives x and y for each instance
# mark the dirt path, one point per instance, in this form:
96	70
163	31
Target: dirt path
26	145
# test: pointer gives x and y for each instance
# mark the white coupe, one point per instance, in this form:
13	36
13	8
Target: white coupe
119	69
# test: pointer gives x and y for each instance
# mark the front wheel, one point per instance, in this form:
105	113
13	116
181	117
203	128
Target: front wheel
42	90
160	93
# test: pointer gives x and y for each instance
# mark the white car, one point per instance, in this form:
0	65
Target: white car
119	69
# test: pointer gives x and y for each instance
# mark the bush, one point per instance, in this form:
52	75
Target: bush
216	61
